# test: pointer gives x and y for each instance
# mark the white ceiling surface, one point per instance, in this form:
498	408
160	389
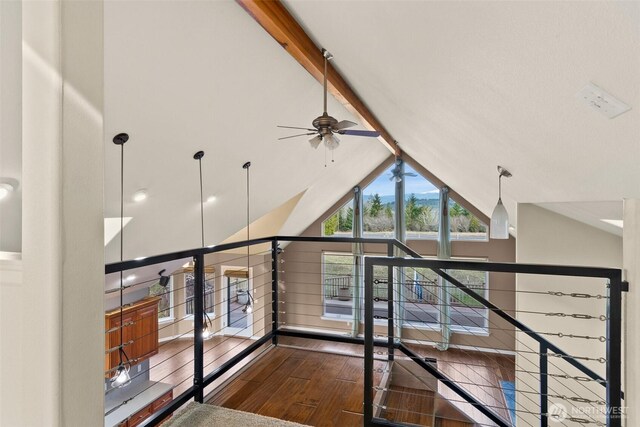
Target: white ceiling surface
183	76
593	213
466	86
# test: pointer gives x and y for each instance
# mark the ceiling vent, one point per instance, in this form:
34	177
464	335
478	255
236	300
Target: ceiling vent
596	98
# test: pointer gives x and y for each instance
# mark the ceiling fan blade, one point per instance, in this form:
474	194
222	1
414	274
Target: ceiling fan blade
409	174
294	136
293	127
315	141
344	124
372	133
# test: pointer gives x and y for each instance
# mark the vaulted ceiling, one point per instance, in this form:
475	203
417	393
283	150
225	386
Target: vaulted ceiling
462	86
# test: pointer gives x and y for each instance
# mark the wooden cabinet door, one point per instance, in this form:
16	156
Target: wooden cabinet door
146	331
143	331
113	338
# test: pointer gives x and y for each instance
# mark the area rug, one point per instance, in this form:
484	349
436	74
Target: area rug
509	391
203	415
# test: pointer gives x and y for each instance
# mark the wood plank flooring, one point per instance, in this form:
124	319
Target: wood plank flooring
479	373
307	387
174	362
313	385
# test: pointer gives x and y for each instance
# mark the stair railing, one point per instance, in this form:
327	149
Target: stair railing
614	394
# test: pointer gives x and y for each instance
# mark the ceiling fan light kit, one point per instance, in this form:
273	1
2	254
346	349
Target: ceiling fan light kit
325	127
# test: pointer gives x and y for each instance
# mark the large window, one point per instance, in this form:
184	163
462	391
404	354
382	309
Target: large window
337	279
421	206
209	293
464	225
421	211
337	273
165	307
378	217
340	223
424	307
467	314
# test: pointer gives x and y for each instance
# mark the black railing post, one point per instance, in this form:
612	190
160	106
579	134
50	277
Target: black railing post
198	318
368	342
390	299
544	386
274	291
614	352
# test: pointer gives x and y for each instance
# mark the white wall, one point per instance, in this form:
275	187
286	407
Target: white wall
545	237
10	124
52	342
631	379
10	306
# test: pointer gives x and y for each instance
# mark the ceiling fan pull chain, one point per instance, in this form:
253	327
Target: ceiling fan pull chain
325	156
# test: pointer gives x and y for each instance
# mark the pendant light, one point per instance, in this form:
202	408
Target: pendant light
121	378
499	228
207	324
248	308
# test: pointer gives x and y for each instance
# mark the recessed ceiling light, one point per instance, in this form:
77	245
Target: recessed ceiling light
5	190
140	258
140	195
130	277
211	199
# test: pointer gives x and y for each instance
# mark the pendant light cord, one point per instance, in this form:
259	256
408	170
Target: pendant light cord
201	204
248	253
246	166
121	246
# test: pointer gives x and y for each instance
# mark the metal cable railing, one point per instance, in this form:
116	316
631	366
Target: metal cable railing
316	299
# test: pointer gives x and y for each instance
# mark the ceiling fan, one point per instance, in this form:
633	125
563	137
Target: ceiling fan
396	172
325	126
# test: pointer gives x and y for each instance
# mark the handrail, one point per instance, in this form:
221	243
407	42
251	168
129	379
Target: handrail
524	328
616	287
172	256
437	266
547	269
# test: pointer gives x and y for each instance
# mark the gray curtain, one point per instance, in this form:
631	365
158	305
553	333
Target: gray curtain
444	252
398	273
358	259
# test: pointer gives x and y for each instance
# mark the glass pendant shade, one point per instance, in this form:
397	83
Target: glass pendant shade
315	141
331	141
206	333
499	228
121	378
249	308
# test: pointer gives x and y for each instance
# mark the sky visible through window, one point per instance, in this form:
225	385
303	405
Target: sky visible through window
421	211
417	185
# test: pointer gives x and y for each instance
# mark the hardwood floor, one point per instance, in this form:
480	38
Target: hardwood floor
174	362
320	383
310	385
307	387
478	373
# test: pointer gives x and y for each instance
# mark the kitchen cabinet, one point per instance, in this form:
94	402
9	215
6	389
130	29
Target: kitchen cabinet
139	335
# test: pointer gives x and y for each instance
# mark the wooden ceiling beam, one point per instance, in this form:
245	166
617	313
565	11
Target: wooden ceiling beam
281	25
